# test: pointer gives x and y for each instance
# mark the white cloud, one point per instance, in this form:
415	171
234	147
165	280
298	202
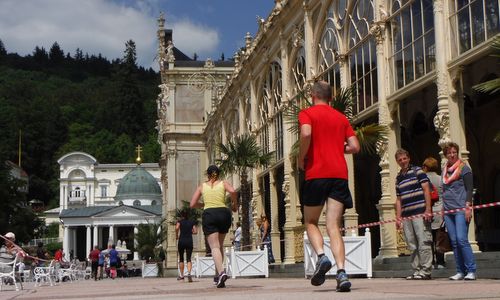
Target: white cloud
190	38
95	26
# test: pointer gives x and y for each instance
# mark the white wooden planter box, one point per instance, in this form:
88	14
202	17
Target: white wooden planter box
247	263
203	266
149	270
358	255
237	264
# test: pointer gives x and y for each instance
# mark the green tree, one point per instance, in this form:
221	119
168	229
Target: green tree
239	157
15	215
56	54
130	57
3	51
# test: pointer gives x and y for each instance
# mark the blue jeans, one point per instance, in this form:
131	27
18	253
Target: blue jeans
458	230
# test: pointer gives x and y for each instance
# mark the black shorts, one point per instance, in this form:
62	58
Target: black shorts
216	220
315	192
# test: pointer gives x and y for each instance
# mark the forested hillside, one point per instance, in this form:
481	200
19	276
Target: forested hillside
64	102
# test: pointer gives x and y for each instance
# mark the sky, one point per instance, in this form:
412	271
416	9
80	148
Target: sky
205	27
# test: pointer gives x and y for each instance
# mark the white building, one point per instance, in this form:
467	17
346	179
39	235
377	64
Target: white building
104	203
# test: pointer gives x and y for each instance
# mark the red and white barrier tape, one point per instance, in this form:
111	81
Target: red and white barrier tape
451	211
21	252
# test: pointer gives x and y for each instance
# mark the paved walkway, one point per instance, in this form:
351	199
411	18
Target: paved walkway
257	288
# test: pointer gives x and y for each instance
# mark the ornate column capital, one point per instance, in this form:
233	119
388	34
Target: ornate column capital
438	6
442	124
377	29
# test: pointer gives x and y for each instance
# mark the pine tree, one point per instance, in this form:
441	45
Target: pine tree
3	52
56	54
130	58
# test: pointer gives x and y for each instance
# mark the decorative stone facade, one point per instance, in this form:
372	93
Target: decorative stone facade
411	64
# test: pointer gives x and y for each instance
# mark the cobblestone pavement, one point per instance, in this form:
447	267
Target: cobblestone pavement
257	288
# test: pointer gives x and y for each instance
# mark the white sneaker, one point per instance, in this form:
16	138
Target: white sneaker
470	276
441	267
458	276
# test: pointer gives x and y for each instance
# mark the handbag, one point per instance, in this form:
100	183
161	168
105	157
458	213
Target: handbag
442	240
434	193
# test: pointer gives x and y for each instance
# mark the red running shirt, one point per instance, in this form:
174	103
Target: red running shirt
330	130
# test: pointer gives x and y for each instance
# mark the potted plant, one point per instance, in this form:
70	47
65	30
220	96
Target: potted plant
149	240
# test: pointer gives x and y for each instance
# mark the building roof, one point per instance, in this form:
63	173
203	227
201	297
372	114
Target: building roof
138	184
94	210
201	64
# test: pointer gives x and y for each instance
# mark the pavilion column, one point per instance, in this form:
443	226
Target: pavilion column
66	242
450	98
136	232
89	242
111	239
96	236
274	219
386	149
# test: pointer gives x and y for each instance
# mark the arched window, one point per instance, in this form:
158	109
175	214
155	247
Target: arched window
362	55
137	203
272	94
329	49
412	39
474	22
299	70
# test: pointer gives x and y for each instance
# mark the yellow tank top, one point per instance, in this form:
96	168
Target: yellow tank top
214	196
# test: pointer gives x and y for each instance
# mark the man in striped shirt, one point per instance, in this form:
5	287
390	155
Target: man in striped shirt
413	198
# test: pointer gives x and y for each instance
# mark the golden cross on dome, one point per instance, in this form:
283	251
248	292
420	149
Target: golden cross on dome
138	160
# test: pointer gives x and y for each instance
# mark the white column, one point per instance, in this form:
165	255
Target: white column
96	236
111	239
136	231
73	242
89	242
66	242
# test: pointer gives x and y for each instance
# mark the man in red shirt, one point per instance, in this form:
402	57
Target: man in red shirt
325	136
58	256
94	259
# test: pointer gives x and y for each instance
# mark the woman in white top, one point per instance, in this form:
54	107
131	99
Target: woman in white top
216	218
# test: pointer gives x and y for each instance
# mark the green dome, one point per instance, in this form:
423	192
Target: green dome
138	184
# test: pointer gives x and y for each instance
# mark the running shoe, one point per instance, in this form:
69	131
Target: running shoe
222	279
190	279
323	265
343	283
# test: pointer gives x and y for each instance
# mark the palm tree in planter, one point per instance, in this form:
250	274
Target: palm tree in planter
239	156
149	240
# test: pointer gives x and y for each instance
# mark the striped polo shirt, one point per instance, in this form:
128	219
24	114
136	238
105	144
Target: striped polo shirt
409	189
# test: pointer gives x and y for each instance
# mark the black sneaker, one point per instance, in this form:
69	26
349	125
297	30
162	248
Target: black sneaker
343	283
322	267
190	279
216	280
222	279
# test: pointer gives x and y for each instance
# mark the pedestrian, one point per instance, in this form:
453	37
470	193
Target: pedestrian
8	252
265	238
184	230
113	261
413	198
325	136
100	265
431	169
216	218
41	254
94	260
237	237
457	194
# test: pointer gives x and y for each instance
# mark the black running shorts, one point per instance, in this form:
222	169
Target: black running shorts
216	220
315	192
